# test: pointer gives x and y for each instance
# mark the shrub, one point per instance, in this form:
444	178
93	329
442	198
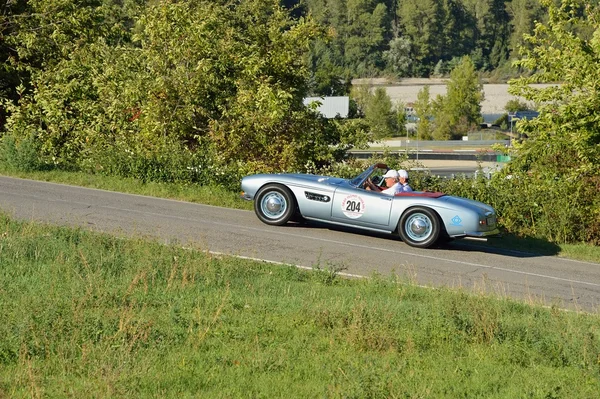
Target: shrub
531	205
20	155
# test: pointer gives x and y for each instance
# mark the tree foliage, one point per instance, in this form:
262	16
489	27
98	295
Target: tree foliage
10	76
195	91
410	37
569	109
523	15
380	115
365	38
424	113
398	57
562	151
459	110
57	43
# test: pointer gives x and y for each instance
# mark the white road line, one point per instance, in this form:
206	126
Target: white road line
442	259
274	262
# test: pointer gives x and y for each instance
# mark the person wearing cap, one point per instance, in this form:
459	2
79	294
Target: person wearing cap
403	181
391	183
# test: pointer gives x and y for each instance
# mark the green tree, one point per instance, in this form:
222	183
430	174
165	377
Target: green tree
568	121
561	155
361	95
442	123
515	105
367	31
459	32
490	29
10	76
328	77
398	56
378	112
58	44
424	113
523	14
380	115
568	109
401	119
200	91
359	31
460	110
326	58
422	21
45	32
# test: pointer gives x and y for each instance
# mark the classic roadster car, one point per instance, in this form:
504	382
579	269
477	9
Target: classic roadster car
420	218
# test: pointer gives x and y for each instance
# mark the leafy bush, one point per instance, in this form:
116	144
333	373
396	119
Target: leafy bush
554	173
163	166
20	155
529	205
558	210
207	109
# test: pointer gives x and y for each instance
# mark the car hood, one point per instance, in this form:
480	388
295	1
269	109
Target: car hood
313	178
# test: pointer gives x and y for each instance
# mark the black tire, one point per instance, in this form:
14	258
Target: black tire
275	205
419	227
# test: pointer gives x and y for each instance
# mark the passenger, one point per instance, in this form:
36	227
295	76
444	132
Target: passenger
391	183
403	179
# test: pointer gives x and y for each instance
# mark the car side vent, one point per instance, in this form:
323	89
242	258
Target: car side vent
317	197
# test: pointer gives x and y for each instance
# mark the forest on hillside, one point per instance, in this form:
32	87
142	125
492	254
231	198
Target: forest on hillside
417	38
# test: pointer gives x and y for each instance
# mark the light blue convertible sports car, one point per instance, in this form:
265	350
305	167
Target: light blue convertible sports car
420	218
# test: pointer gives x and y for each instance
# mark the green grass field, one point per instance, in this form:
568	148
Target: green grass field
89	315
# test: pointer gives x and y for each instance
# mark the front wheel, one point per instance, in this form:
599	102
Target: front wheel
274	205
419	227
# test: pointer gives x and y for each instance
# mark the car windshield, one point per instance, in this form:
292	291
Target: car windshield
375	170
358	179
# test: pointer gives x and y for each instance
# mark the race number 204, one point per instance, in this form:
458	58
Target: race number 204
353	206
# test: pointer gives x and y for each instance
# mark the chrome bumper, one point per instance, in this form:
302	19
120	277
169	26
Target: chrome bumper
246	196
478	234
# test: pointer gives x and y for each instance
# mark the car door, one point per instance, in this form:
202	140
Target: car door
361	207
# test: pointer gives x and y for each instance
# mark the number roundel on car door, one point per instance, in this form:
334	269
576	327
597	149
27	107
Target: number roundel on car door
353	206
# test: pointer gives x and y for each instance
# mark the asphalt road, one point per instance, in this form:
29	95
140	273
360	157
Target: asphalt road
466	264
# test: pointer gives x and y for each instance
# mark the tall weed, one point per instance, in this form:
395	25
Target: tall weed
20	154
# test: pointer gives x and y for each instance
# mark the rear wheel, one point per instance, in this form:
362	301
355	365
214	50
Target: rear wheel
419	227
275	205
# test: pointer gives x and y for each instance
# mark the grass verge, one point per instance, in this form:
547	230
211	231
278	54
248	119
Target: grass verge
90	315
217	196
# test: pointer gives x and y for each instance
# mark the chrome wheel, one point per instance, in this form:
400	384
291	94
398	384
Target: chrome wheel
275	204
419	227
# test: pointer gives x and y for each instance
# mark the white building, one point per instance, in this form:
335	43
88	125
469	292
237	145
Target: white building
331	107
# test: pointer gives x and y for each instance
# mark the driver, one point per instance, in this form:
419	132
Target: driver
392	186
